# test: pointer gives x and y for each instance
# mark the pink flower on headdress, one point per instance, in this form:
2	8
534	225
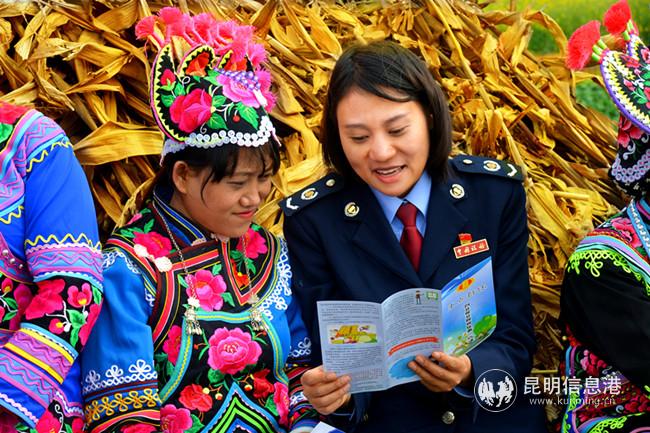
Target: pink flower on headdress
626	131
581	42
617	16
176	22
256	54
192	110
197	65
237	92
645	53
264	78
208	289
168	77
203	25
630	61
145	27
231	351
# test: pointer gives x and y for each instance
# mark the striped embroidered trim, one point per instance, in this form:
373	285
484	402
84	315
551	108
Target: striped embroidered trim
9	403
37	159
36	361
592	260
114	376
13	214
76	260
121	403
68	238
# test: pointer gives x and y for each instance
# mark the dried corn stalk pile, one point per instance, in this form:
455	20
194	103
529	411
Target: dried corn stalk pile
82	65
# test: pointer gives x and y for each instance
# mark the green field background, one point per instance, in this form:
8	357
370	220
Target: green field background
570	15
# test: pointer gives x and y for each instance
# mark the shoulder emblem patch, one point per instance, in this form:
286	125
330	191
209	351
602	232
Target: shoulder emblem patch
312	193
481	164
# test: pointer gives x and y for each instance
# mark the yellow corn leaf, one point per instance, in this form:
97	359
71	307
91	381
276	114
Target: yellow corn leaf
114	141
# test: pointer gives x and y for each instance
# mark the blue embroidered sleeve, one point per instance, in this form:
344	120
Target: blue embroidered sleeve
60	253
120	384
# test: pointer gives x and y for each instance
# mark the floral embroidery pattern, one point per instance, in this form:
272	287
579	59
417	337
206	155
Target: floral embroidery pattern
232	350
76	316
193	397
200	376
13	309
174	420
208	289
172	344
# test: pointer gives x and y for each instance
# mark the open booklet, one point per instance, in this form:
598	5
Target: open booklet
373	343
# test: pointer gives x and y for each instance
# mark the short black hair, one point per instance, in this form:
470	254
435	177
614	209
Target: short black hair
221	159
384	69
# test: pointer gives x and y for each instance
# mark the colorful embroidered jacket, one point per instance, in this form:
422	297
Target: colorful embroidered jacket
606	306
50	273
143	372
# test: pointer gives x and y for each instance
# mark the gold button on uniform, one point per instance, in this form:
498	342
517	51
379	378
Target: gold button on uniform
448	417
351	209
457	191
467	161
330	182
309	193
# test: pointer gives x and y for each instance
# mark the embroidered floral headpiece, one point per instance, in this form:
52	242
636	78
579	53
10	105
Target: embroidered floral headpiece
217	93
627	78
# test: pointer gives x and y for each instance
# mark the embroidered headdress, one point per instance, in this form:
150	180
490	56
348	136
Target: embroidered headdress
207	84
626	75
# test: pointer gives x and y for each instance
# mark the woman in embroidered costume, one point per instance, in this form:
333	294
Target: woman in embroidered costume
199	331
50	274
605	301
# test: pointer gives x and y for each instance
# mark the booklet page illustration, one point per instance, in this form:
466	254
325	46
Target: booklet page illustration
374	343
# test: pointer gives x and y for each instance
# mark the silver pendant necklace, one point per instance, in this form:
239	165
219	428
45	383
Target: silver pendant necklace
193	327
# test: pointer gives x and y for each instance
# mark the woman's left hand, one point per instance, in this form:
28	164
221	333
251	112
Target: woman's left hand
442	372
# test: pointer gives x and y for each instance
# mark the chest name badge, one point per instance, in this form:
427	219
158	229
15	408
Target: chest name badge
471	248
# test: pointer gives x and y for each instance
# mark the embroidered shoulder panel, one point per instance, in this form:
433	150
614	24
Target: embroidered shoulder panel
24	143
614	240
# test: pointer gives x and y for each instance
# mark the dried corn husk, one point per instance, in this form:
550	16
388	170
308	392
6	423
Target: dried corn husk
82	65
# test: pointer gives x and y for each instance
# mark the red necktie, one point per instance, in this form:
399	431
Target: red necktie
411	240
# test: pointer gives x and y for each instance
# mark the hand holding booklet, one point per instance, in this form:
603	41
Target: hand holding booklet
373	343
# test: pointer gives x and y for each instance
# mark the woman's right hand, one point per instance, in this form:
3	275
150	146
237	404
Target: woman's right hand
325	390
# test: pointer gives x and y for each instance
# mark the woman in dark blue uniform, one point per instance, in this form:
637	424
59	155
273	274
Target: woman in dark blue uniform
388	218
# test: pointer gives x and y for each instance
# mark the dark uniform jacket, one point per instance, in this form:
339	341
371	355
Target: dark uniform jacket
342	248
